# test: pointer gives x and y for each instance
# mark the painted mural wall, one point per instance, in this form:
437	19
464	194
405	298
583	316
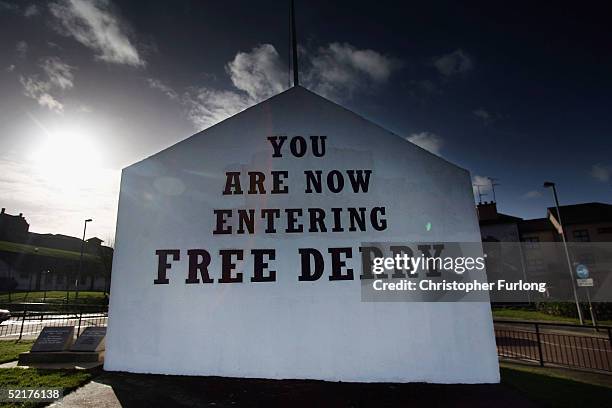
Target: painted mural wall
238	253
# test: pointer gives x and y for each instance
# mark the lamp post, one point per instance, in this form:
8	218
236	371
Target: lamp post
76	296
46	273
550	184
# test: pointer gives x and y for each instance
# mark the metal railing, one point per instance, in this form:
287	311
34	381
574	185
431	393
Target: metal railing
574	346
29	323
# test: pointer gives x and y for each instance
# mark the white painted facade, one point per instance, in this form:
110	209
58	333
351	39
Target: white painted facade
290	329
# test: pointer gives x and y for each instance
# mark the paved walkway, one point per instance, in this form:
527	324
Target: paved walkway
138	390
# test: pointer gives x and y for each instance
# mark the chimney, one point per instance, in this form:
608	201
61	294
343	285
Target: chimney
487	211
20	215
3	210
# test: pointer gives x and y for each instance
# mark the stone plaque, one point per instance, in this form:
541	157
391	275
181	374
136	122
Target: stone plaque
54	339
92	339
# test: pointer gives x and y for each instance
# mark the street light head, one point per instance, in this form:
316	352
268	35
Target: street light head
549	184
88	220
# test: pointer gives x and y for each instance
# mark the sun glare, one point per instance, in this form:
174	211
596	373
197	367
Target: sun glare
67	157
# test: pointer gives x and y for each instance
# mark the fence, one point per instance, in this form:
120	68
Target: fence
28	323
575	346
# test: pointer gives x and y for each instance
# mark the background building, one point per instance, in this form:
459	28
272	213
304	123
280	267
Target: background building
587	222
32	261
538	252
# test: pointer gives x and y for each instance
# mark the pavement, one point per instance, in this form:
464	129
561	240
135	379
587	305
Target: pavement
147	390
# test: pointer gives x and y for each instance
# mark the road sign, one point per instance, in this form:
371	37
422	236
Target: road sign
585	282
582	271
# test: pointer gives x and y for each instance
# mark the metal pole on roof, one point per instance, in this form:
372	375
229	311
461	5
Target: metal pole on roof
493	180
294	53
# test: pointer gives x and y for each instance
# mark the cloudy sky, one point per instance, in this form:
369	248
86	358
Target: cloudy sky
507	90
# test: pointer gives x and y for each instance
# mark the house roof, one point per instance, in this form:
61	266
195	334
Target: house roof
13	218
535	225
501	219
583	213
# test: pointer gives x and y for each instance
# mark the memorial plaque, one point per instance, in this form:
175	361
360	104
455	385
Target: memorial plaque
92	339
54	339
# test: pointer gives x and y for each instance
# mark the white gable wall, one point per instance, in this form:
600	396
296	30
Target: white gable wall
289	329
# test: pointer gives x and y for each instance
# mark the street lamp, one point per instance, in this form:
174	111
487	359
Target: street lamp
76	296
46	273
550	184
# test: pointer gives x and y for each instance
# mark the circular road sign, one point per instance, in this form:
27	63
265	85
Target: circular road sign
582	271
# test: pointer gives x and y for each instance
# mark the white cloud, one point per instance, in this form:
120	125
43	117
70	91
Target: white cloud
96	25
27	11
51	44
10	68
31	10
456	62
337	70
59	77
428	141
58	72
532	194
22	49
158	84
39	90
256	75
482	181
260	73
208	106
601	172
487	117
482	114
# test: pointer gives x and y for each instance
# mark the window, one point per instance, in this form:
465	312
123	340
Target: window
581	236
604	230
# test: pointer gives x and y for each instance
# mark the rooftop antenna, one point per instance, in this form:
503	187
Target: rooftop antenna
480	194
493	180
294	51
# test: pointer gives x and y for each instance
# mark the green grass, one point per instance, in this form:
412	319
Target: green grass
43	251
555	391
37	378
55	296
522	314
10	349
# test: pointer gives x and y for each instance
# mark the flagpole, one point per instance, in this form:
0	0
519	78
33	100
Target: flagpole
296	80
